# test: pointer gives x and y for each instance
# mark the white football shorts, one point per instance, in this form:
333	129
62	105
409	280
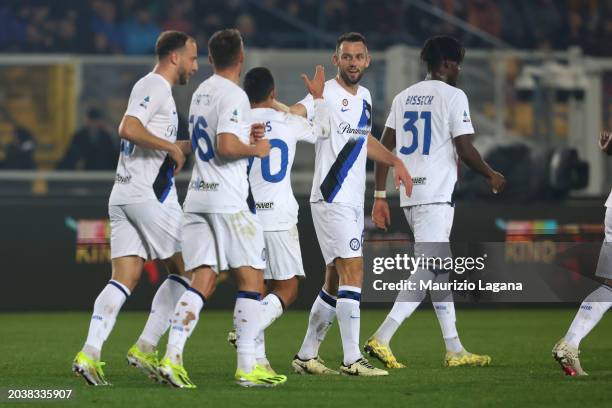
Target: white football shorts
284	257
339	229
150	230
223	241
604	264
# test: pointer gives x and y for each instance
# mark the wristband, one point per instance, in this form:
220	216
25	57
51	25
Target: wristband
380	194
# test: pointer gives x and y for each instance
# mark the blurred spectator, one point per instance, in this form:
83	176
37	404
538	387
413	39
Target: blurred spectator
19	153
107	34
140	33
178	13
92	147
131	26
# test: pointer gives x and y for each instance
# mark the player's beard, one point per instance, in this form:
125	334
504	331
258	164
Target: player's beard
183	77
347	79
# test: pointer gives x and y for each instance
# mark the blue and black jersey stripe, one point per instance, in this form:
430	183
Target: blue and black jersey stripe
339	170
164	180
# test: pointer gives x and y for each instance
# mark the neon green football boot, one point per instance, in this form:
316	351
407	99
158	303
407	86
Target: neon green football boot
175	374
89	369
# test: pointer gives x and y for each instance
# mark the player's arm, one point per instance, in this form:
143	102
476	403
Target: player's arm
470	156
132	130
297	109
230	147
185	146
381	155
381	215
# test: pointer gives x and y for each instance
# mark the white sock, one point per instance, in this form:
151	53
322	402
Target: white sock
271	309
322	316
247	324
405	304
105	311
260	349
590	313
349	318
162	307
446	317
184	320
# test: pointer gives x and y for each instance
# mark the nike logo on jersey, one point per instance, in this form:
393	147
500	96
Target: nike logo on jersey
344	109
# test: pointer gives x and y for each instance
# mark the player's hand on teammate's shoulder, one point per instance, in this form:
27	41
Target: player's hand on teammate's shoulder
317	84
605	141
177	156
381	216
402	176
496	181
262	148
258	131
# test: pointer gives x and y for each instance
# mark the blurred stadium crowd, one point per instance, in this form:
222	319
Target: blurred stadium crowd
131	26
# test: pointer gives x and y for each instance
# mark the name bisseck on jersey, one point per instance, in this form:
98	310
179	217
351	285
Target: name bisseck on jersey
419	99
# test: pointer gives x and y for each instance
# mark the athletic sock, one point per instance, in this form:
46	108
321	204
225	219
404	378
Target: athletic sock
405	304
271	309
162	307
590	313
183	322
247	324
322	316
349	318
446	317
105	311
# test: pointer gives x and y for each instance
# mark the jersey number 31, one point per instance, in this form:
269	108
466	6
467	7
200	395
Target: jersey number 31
410	126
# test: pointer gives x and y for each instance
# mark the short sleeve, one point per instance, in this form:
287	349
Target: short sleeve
146	99
304	131
390	123
234	115
460	122
308	103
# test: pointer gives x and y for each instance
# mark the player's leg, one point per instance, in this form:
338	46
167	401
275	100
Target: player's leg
322	316
283	270
200	256
378	345
592	309
164	301
323	310
127	253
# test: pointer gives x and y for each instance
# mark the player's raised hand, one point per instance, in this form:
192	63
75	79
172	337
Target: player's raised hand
381	216
605	141
401	176
258	131
496	181
177	156
262	148
317	84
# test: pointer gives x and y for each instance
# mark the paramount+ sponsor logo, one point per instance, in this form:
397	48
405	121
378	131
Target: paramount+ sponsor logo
201	185
265	206
345	128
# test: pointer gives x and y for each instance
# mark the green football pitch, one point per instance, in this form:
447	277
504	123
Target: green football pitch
37	350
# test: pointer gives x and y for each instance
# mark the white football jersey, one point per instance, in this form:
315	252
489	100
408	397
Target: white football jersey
426	117
270	178
217	185
609	200
147	174
339	175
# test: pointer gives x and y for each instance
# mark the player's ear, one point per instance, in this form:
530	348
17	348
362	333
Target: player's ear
210	60
273	94
368	60
335	59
